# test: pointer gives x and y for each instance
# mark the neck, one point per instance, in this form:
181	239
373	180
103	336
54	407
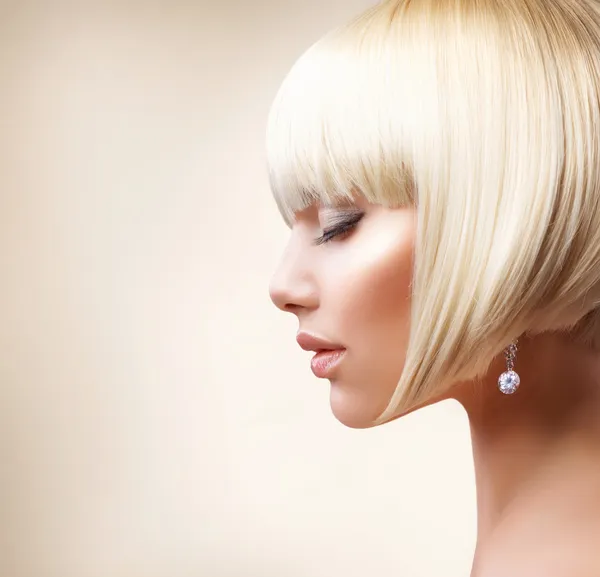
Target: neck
537	452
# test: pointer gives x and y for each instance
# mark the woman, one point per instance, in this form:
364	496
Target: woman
438	163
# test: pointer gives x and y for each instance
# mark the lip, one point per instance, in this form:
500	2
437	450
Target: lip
324	362
310	342
327	357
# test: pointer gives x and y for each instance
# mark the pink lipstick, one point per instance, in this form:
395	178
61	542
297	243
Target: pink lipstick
324	362
328	354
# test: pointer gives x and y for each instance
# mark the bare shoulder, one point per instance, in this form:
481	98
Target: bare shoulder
570	553
576	554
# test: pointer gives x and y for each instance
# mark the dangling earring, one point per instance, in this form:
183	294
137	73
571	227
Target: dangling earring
509	382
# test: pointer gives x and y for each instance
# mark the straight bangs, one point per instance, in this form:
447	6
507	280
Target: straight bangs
341	125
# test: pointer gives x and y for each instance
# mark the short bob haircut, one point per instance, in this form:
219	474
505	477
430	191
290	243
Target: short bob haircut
484	116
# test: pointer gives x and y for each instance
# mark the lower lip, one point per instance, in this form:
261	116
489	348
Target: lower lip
323	363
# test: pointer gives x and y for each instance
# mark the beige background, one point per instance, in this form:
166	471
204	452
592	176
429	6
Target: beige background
157	418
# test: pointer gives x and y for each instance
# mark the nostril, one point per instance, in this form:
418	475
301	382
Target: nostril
293	294
276	297
285	301
279	297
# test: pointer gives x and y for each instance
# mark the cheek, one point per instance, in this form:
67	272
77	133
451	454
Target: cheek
370	290
369	305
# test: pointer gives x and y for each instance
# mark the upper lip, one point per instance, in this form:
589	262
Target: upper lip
311	343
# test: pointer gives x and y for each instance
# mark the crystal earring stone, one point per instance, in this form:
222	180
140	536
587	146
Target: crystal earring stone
509	381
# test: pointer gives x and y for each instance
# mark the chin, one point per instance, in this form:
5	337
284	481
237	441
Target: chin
352	409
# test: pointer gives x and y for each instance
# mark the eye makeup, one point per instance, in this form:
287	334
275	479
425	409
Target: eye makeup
340	222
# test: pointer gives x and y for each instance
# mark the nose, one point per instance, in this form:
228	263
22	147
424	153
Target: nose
293	287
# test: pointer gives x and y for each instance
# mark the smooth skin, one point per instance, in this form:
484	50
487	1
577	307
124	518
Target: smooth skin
536	453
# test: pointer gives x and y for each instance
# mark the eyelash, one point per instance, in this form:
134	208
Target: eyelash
345	225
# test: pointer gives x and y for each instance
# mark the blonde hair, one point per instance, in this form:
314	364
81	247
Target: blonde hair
484	115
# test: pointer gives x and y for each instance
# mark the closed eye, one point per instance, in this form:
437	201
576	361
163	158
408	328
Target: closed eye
344	224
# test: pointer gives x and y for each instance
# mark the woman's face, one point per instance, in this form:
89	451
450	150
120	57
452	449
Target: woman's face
346	274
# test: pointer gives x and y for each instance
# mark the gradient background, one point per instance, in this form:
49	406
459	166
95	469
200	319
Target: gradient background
157	418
